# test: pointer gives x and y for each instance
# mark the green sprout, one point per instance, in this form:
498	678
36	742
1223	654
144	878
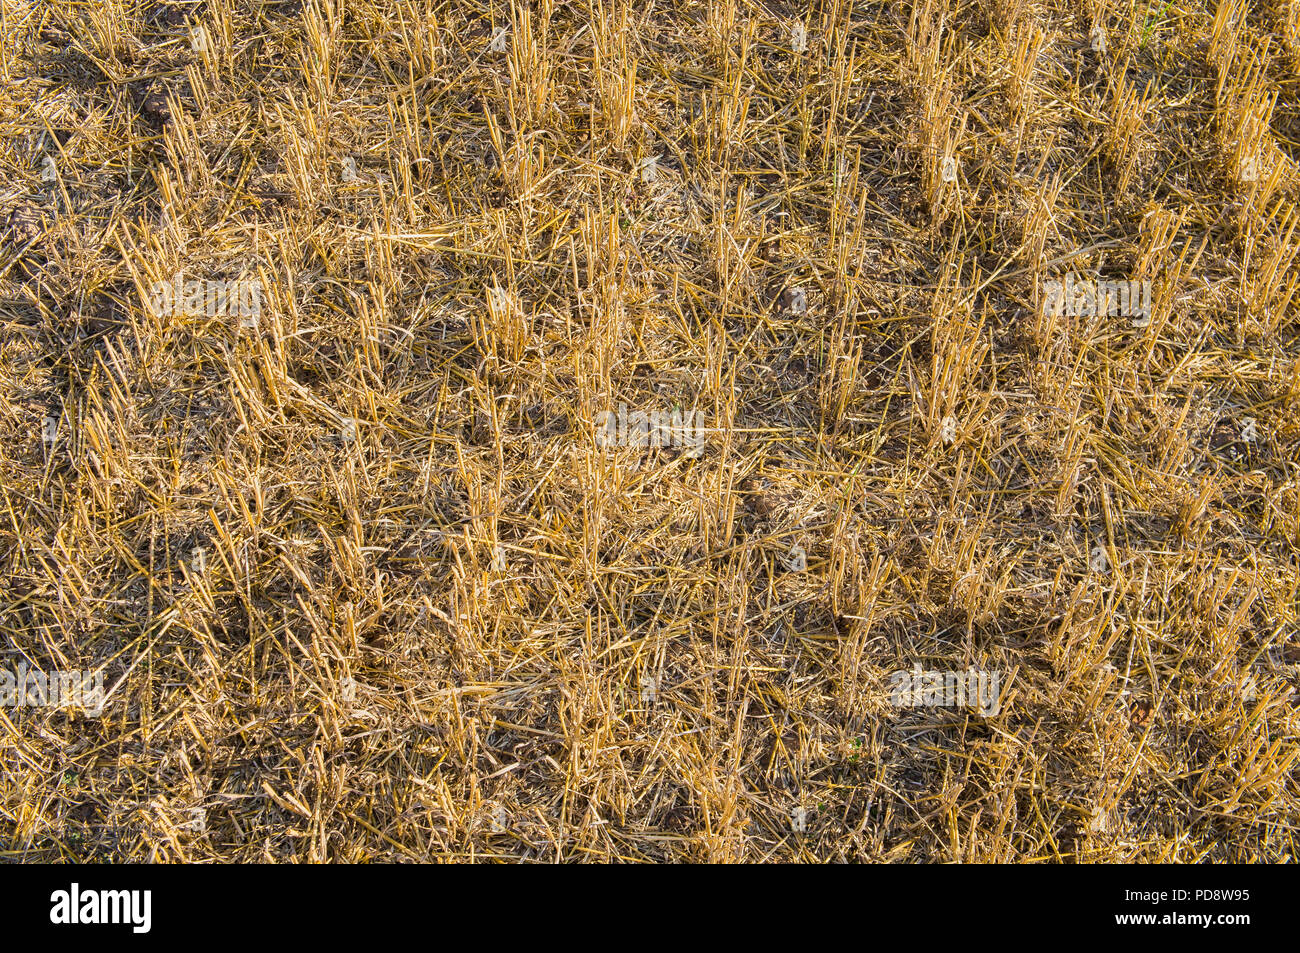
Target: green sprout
1148	26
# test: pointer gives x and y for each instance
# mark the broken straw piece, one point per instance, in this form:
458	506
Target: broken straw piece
1249	689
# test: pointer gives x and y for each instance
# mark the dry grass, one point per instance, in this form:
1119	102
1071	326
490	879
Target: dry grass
824	228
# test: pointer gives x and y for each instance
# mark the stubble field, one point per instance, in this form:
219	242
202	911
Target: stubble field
352	524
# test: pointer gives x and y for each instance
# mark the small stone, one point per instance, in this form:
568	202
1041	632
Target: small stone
795	301
649	690
948	430
799	38
197	820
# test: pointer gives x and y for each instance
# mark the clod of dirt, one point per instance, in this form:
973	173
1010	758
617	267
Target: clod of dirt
153	103
23	225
